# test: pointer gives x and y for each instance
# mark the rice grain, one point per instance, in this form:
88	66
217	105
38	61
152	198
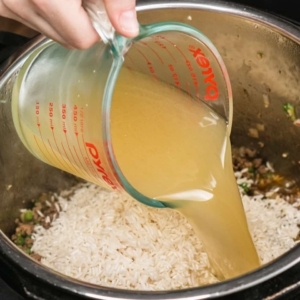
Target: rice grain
111	240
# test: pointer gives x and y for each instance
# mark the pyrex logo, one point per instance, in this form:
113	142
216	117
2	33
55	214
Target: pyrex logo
97	162
212	91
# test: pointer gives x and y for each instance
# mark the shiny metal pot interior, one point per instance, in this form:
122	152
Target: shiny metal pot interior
261	53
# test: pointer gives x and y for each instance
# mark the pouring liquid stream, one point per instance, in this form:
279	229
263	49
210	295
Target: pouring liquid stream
175	149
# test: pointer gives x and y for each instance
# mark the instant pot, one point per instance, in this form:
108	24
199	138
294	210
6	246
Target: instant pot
238	31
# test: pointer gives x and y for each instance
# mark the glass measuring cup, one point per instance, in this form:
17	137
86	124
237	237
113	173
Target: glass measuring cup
61	130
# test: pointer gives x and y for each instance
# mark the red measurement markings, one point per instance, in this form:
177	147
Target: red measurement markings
51	115
75	120
90	164
59	161
108	145
82	167
64	128
87	160
74	161
68	159
81	119
193	75
188	64
94	153
188	88
64	116
195	81
162	45
51	110
149	64
54	138
211	91
145	44
127	56
174	75
37	113
174	45
89	171
39	146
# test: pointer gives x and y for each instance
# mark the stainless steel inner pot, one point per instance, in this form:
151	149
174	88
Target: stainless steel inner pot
262	54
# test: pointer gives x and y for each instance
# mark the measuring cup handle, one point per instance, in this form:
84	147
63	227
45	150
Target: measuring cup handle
100	20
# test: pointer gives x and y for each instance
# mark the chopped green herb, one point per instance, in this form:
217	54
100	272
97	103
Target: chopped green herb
20	241
251	170
245	187
290	110
28	216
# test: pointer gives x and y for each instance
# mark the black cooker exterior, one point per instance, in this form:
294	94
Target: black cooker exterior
286	286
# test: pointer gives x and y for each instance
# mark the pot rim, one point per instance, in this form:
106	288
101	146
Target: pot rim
223	288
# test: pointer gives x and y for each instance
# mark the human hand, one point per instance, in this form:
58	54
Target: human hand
67	22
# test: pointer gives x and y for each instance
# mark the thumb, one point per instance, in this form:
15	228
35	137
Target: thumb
122	15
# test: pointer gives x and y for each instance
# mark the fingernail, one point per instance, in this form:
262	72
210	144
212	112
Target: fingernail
129	23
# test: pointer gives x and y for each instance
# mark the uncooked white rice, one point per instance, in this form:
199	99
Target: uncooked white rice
104	238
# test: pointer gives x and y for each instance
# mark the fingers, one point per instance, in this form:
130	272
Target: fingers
35	22
66	21
70	19
122	14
